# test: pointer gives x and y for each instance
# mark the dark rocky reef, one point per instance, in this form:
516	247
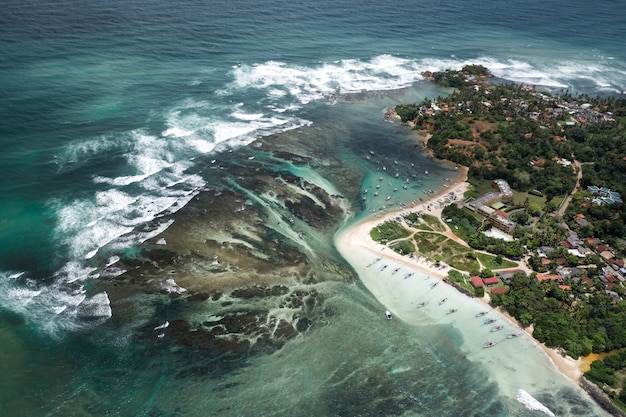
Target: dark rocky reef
238	273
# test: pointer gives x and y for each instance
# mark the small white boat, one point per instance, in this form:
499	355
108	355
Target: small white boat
162	326
489	344
512	335
388	314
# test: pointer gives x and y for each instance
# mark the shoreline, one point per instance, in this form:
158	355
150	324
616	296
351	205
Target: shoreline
357	236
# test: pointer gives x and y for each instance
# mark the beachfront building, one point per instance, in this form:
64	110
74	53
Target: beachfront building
501	221
507	276
489	205
477	282
503	194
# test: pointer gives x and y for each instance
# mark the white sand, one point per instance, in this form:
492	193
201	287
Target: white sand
403	295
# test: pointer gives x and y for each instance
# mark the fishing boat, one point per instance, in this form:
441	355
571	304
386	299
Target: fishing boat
388	314
497	328
489	344
512	335
422	304
443	300
489	321
482	313
451	311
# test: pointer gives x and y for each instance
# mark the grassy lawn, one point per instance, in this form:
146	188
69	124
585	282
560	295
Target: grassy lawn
429	244
488	262
461	232
433	222
436	246
425	222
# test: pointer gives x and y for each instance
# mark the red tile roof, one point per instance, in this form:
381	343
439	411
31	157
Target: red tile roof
491	280
499	290
587	280
476	281
548	277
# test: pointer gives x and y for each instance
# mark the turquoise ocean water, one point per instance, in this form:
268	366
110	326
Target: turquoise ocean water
113	116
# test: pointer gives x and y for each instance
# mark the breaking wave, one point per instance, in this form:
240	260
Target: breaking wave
531	403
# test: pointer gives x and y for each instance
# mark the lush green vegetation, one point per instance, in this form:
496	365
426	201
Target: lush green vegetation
388	231
403	247
535	141
513	133
564	318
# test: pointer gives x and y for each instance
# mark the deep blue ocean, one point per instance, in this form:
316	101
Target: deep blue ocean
114	115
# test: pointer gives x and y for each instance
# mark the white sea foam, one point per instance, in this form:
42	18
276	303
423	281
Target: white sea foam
246	116
531	403
97	306
306	84
170	286
302	85
177	132
54	307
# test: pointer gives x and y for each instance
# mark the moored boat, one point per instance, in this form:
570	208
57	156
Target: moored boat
497	328
489	344
388	314
489	321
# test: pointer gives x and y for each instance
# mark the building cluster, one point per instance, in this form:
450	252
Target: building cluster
542	107
604	195
612	276
490	204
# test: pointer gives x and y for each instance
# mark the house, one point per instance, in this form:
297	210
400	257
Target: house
491	281
588	281
507	276
616	263
477	282
607	255
545	250
592	241
548	277
580	220
499	290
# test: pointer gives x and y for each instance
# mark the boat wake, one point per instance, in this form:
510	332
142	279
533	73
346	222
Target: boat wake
531	403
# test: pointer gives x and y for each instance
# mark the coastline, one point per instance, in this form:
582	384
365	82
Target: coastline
356	237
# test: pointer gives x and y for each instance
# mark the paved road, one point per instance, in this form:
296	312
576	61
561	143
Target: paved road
561	210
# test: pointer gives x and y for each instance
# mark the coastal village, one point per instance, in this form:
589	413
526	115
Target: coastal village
575	268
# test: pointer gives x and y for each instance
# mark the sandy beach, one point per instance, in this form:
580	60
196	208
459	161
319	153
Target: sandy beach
357	246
